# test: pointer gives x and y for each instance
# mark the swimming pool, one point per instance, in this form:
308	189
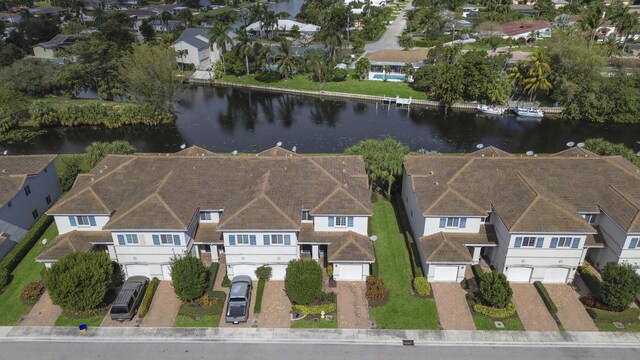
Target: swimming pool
389	77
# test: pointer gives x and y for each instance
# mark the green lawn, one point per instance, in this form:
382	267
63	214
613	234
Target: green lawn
27	271
67	320
403	311
205	321
351	86
484	323
307	323
608	326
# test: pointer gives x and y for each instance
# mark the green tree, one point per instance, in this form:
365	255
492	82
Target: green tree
537	74
30	76
71	167
495	289
303	281
95	152
264	272
408	71
74	27
244	46
383	161
13	109
362	67
406	41
606	148
620	285
220	37
450	84
79	281
189	277
286	59
592	19
147	31
148	75
316	64
498	90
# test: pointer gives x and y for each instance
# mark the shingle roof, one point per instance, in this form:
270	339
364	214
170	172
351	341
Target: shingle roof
529	193
256	192
190	36
194	150
74	241
277	151
14	170
452	247
206	233
343	246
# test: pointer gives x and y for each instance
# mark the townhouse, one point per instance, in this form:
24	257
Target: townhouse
245	210
532	218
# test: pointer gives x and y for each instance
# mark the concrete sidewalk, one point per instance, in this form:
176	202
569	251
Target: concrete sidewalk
323	336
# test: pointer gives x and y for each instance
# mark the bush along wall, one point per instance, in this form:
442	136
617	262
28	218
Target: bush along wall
111	115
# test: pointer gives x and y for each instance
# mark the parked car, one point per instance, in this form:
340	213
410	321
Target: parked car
239	299
129	298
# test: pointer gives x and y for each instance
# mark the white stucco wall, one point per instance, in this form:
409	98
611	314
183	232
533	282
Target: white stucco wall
244	259
194	56
321	223
432	225
430	271
344	271
64	225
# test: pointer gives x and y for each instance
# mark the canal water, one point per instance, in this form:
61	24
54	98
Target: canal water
226	119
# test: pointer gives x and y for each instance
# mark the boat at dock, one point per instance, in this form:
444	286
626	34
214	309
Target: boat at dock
530	112
491	110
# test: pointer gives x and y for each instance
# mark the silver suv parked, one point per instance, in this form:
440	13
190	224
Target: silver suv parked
129	298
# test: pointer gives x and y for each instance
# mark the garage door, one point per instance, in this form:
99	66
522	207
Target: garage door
348	272
278	272
556	276
445	273
166	272
519	274
138	270
249	270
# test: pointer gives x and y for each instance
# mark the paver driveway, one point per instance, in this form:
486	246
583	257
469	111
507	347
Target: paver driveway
276	308
571	312
452	306
249	322
164	307
353	309
43	313
531	309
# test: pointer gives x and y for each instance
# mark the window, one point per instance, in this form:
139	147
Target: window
341	221
277	239
306	216
205	215
48	199
591	218
564	242
528	241
35	214
82	220
633	244
131	238
242	239
27	190
166	239
486	219
453	222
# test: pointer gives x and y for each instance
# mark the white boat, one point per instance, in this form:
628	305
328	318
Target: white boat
530	112
490	109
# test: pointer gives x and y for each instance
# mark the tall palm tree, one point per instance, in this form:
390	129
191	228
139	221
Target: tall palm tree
332	39
518	74
219	36
610	47
592	19
537	75
316	64
626	24
286	59
244	46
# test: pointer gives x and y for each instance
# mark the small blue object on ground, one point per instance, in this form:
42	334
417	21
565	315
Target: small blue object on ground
83	328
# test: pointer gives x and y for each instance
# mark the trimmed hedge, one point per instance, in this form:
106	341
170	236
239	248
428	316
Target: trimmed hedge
495	313
148	297
213	274
548	302
15	256
421	286
477	272
258	305
226	282
629	315
587	273
315	309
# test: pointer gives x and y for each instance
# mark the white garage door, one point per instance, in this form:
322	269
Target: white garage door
519	274
445	273
278	272
249	270
138	270
556	276
166	272
348	272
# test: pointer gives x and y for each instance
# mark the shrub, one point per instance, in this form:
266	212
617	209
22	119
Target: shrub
464	283
225	281
375	288
495	289
620	284
496	313
421	286
32	291
548	302
79	281
629	315
472	296
328	297
315	309
477	272
258	305
588	274
213	275
268	77
330	270
264	272
148	297
15	256
303	281
339	74
189	277
4	278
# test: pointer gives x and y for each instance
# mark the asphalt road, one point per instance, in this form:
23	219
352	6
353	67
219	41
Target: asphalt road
202	350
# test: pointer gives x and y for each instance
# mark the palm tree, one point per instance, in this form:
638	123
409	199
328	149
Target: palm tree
408	71
220	37
537	74
591	20
406	41
518	74
316	64
286	59
332	39
627	24
611	47
363	65
244	46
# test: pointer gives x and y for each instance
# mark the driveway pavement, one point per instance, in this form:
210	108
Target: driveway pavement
353	309
531	309
571	312
276	308
43	313
389	40
249	322
164	307
452	306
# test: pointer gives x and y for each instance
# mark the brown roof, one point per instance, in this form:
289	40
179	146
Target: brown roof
277	151
343	246
452	247
529	193
520	27
489	151
207	234
14	170
595	240
256	192
194	150
74	241
399	56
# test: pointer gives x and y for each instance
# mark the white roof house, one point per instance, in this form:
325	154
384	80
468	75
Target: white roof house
286	25
194	45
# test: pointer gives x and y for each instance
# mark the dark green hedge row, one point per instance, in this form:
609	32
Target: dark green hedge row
548	302
148	297
213	274
15	256
629	315
258	306
477	272
591	279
